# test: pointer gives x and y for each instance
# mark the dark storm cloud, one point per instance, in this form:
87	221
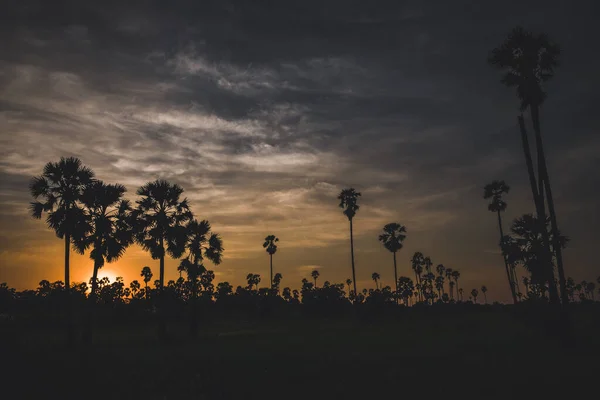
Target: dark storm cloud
264	110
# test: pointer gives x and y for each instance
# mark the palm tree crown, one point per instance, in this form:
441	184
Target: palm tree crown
392	237
349	202
529	61
270	245
495	190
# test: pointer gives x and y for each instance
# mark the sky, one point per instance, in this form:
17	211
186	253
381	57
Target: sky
264	111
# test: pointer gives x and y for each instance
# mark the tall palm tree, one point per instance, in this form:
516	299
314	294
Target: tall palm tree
201	244
349	202
161	216
529	61
271	248
417	262
427	264
147	275
449	272
494	191
348	282
474	293
110	232
484	291
455	276
315	274
392	237
60	188
376	277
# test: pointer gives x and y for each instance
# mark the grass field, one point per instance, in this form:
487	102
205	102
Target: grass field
477	353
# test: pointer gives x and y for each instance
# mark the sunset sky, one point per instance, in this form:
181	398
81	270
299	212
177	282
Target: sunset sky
264	113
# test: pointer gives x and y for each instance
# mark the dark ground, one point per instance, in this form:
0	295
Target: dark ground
475	353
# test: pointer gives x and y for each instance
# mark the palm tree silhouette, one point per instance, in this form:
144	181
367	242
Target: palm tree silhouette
484	291
147	275
455	276
201	244
529	61
61	186
392	237
449	272
349	282
277	281
494	191
110	232
271	248
315	274
375	276
349	202
417	262
460	293
427	264
474	293
161	218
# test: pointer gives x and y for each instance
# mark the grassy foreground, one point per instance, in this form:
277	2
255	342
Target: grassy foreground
485	352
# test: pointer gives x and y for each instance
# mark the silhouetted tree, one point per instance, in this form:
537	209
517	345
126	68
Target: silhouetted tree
315	274
147	275
375	276
484	291
161	217
529	61
392	237
494	191
60	187
253	280
455	276
449	277
277	281
405	289
271	248
349	202
474	294
417	263
109	233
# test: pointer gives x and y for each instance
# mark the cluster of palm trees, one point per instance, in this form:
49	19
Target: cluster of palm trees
92	215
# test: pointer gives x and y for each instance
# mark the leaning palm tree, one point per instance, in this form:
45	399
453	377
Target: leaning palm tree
484	291
161	217
376	277
315	274
110	232
271	248
60	187
349	202
494	191
392	237
201	244
529	61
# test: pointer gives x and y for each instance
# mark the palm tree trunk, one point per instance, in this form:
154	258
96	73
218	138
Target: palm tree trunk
535	117
459	297
271	256
396	277
69	305
540	209
508	275
193	311
352	256
162	324
89	327
485	298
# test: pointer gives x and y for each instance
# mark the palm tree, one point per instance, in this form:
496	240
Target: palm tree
475	293
460	293
60	187
315	274
161	217
349	202
349	282
392	237
455	276
439	285
417	262
375	276
529	61
110	232
451	285
253	280
271	248
201	244
427	264
484	291
147	275
495	190
449	278
277	281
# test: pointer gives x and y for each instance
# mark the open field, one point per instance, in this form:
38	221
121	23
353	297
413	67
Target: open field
484	352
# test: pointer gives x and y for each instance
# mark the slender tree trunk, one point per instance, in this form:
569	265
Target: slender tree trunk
485	298
396	277
89	326
69	304
540	209
162	324
352	256
458	296
535	117
271	257
508	275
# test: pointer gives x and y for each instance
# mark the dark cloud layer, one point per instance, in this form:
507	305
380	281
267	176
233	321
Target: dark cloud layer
263	111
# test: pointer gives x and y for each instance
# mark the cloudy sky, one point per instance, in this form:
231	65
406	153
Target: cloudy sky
264	112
